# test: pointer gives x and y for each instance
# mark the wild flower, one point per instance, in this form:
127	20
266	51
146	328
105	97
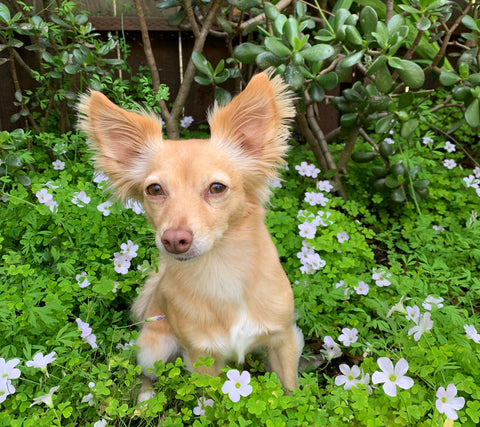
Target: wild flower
121	263
129	249
324	186
342	237
307	230
186	122
398	307
449	163
365	379
381	277
431	301
449	147
472	333
330	349
104	207
6	388
86	332
438	228
8	372
274	183
424	325
202	403
307	169
346	290
237	385
126	346
427	140
310	260
40	361
471	181
82	279
58	165
362	288
322	218
135	206
46	398
413	313
100	423
314	199
348	336
389	141
391	376
81	199
100	179
447	403
349	377
44	197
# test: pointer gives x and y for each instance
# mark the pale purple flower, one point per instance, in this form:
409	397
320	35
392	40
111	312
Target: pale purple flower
46	398
476	171
324	186
447	403
398	307
438	228
381	277
342	237
391	377
362	288
44	196
121	263
129	249
8	369
135	206
389	141
314	199
322	218
100	423
307	230
431	301
100	179
413	313
104	207
199	410
365	379
330	349
237	385
274	183
81	199
58	165
82	279
450	147
6	388
472	333
349	377
307	169
88	398
126	346
424	325
426	140
40	361
472	181
186	122
86	332
449	163
348	337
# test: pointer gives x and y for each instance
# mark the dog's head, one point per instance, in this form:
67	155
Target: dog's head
193	191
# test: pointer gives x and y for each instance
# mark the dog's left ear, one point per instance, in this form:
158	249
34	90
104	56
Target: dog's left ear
123	141
254	125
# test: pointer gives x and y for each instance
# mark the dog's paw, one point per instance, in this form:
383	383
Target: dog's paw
145	395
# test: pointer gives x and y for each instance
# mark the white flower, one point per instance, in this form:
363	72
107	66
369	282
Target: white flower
362	288
389	141
135	206
342	237
427	304
80	199
381	276
41	361
472	333
104	207
427	140
307	230
349	377
447	402
392	377
202	404
348	337
307	169
330	349
100	423
58	165
365	379
100	179
324	186
6	388
86	332
237	385
413	313
88	399
46	398
121	263
8	369
398	307
449	147
424	325
82	279
129	249
438	228
186	122
274	183
44	196
449	163
476	171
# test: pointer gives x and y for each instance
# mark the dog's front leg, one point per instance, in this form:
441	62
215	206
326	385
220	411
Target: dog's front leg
284	354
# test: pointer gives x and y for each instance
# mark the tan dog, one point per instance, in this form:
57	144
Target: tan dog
219	282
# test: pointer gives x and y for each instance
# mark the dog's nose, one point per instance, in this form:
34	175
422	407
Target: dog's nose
177	241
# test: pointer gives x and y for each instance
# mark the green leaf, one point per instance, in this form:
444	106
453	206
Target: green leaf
222	96
384	124
364	157
383	79
294	77
4	13
224	24
201	64
13	160
408	128
277	47
472	114
410	72
247	52
24	180
167	4
271	11
449	78
267	59
397	195
279	23
318	52
351	59
423	24
368	20
470	23
329	80
291	31
391	181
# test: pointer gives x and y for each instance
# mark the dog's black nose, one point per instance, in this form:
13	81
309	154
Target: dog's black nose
177	241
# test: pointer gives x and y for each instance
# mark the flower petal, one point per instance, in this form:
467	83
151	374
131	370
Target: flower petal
390	388
385	364
401	367
405	382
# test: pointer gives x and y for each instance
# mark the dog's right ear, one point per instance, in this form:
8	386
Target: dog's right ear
123	141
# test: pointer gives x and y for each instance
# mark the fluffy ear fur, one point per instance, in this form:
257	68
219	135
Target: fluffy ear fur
123	141
254	127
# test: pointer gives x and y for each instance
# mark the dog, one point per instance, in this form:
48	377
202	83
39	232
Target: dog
219	282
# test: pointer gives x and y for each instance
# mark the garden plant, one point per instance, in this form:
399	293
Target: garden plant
377	223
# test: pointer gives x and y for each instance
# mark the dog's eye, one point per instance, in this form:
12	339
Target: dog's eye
155	190
216	188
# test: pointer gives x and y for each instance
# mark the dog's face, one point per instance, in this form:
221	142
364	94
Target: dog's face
193	191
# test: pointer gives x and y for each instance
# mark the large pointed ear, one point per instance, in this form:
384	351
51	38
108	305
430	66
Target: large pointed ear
254	125
123	141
